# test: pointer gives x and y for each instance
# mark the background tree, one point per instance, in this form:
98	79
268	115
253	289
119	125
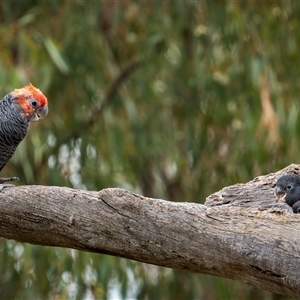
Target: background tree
173	100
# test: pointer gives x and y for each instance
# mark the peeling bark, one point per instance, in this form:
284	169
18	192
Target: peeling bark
241	232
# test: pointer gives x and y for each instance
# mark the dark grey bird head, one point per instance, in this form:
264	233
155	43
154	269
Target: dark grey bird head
287	190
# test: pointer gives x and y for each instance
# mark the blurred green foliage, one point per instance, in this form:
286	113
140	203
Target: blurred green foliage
171	99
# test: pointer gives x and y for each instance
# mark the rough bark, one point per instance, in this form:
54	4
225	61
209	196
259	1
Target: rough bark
241	232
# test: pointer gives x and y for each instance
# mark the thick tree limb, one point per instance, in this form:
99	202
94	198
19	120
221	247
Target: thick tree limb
241	232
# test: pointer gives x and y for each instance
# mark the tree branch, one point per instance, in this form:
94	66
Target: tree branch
241	232
112	89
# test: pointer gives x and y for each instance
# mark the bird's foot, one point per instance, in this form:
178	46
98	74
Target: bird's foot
296	207
3	180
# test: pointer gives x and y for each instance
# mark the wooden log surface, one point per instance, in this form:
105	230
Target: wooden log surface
241	232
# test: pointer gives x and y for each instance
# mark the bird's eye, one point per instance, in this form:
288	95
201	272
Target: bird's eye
34	103
289	187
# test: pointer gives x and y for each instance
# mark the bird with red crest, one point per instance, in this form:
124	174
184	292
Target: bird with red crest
17	110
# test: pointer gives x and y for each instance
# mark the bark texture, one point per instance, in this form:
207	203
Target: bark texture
241	232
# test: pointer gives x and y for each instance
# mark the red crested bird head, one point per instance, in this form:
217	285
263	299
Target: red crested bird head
32	102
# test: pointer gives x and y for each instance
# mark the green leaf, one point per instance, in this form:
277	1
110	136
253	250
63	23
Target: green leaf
56	56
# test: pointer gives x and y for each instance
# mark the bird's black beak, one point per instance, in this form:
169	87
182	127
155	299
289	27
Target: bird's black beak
279	193
42	111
